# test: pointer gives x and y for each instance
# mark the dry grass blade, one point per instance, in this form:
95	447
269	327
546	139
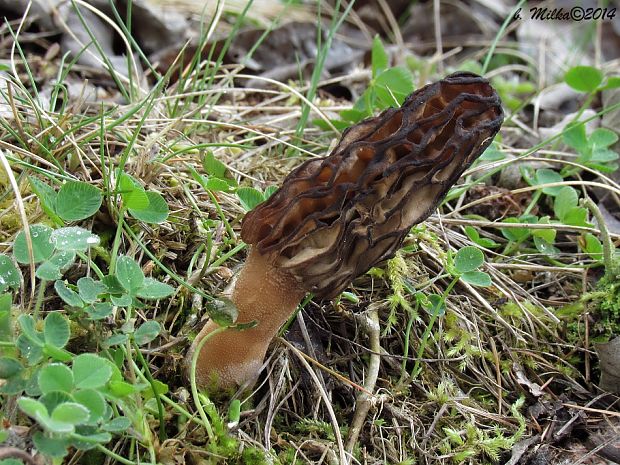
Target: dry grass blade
19	202
336	428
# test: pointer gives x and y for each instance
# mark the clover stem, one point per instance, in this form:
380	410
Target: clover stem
192	379
427	332
117	239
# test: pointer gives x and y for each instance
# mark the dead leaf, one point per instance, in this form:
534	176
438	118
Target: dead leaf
263	12
520	448
611	219
609	357
531	386
556	96
158	26
539	40
288	52
459	21
559	127
606	439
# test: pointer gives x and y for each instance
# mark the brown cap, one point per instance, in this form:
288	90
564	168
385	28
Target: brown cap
336	217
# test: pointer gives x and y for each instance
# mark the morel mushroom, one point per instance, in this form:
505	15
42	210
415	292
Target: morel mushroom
336	217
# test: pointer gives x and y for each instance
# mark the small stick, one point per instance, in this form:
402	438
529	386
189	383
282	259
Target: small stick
365	398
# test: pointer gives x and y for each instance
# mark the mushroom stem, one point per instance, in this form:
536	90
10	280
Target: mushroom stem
261	293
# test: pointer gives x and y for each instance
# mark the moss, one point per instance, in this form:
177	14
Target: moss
289	456
461	340
11	222
466	440
255	456
511	309
607	308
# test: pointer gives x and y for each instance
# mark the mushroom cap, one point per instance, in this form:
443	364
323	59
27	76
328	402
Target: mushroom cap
336	217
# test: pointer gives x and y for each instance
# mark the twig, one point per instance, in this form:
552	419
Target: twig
370	322
437	417
594	410
579	414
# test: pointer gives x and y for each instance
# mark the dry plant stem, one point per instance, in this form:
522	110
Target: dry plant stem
15	453
261	293
364	399
606	239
